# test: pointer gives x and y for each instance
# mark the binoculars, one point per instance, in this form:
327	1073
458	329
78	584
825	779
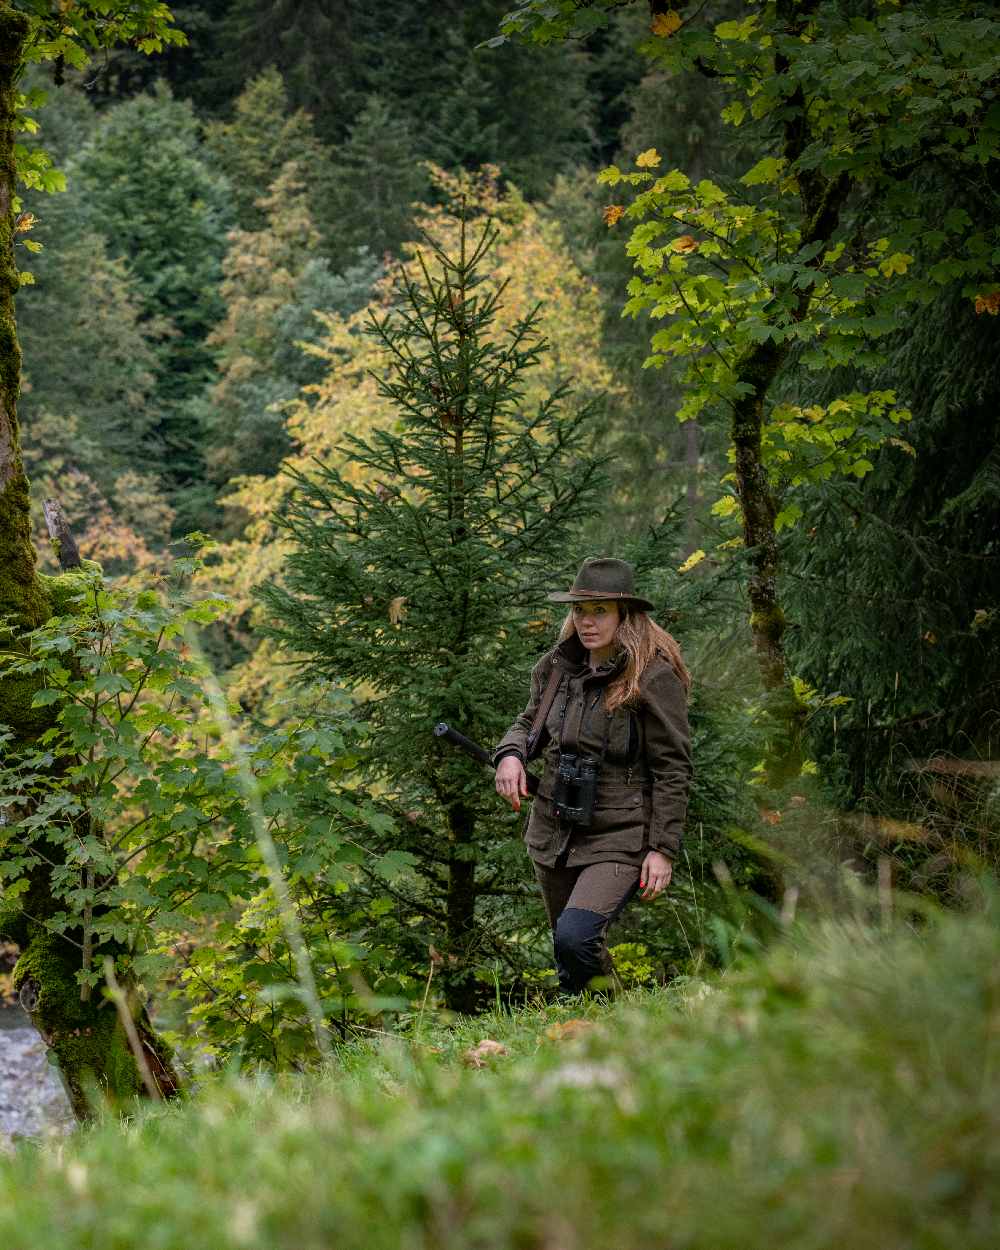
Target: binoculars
575	788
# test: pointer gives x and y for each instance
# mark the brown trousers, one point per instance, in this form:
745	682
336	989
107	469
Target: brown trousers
581	904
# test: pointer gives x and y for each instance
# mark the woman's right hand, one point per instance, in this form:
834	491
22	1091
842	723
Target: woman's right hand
511	780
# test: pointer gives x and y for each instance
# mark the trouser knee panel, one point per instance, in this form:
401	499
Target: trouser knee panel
579	947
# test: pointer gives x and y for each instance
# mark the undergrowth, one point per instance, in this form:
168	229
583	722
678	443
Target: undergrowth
841	1091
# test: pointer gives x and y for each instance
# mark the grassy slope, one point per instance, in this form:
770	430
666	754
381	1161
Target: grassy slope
844	1094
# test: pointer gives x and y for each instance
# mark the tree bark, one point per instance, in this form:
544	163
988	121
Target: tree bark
692	492
759	368
821	201
67	551
460	988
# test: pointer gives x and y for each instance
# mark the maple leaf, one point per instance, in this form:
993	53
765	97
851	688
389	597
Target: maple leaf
478	1056
898	262
685	243
663	25
648	159
613	213
988	303
566	1030
397	609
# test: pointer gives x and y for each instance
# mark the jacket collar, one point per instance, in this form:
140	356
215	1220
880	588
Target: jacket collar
573	656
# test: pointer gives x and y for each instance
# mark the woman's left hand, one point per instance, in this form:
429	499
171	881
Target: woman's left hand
655	876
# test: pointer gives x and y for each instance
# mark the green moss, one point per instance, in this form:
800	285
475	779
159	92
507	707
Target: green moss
86	1037
63	588
16	711
770	621
23	595
59	594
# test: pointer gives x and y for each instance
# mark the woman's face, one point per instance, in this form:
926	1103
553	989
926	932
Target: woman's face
596	621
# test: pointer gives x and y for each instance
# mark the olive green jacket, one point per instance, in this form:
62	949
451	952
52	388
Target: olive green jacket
643	784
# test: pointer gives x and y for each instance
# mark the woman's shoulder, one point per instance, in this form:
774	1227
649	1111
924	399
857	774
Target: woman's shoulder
659	679
543	664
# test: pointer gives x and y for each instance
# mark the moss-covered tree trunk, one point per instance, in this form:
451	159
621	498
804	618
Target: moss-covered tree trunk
85	1034
22	595
822	201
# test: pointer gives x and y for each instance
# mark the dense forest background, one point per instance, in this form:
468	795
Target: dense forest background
197	361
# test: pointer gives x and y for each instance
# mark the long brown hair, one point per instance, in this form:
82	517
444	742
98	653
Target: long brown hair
641	638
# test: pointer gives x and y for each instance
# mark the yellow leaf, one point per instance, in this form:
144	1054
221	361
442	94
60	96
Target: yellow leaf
694	558
725	506
397	609
663	25
25	222
613	213
685	243
898	262
648	159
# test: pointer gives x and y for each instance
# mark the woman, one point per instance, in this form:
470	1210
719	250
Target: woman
608	709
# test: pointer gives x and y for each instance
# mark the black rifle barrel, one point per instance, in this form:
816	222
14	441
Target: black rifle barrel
444	730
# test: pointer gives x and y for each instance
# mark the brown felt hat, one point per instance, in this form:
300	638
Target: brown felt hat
601	578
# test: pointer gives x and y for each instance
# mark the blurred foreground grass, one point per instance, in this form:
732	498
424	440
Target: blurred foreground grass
842	1092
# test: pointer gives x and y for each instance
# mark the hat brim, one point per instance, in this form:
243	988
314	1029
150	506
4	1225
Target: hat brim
595	596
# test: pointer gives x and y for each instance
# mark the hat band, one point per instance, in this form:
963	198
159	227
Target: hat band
604	594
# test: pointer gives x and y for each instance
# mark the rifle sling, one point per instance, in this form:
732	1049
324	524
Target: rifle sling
538	724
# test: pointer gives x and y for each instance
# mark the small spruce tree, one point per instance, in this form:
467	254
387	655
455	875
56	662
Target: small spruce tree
417	580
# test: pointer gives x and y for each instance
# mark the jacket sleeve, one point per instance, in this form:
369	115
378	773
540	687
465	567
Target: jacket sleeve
668	757
515	740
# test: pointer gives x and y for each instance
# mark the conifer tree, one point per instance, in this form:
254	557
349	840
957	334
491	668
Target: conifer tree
416	578
264	135
375	178
160	205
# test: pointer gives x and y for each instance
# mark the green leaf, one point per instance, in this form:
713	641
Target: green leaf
787	517
766	170
739	31
44	698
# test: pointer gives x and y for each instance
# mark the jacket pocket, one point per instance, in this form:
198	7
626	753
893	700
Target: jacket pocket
620	822
542	828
